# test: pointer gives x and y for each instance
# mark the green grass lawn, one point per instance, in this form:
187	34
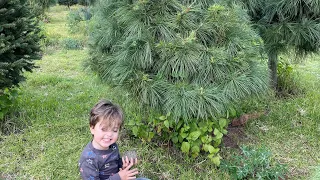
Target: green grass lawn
50	123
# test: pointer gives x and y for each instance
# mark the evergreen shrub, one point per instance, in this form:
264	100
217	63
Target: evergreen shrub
194	60
19	46
38	7
71	43
19	42
77	20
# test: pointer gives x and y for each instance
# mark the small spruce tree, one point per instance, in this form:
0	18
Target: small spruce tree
19	42
193	59
40	6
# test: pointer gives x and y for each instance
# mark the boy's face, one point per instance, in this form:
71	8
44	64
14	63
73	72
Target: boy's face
104	136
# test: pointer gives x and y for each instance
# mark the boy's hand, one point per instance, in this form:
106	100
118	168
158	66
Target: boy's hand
128	173
126	162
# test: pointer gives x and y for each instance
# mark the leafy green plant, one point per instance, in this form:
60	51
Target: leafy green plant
70	43
7	98
191	138
288	81
253	163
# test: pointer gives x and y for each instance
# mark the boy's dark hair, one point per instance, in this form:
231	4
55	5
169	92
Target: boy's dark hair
106	111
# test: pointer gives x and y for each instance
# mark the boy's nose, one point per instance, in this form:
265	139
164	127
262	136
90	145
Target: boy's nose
108	134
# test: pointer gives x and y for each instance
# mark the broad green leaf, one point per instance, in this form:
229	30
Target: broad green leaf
218	134
175	140
203	139
186	127
166	123
194	135
224	131
205	147
232	112
195	149
183	135
180	138
222	122
185	147
194	155
179	124
213	150
162	118
215	160
193	127
135	131
217	142
144	134
151	135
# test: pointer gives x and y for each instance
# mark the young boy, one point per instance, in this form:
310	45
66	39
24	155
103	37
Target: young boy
100	159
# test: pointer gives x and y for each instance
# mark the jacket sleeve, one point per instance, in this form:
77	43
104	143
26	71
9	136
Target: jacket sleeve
114	177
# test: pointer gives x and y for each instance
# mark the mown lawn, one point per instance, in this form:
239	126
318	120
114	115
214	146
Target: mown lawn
50	123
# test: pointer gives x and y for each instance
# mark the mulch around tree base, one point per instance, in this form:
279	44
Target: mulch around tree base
234	137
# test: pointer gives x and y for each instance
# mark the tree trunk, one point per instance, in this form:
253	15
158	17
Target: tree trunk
273	63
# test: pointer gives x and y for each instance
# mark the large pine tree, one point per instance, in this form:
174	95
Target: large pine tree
191	58
284	25
19	41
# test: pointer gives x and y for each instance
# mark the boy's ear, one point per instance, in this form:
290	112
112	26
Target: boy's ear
92	130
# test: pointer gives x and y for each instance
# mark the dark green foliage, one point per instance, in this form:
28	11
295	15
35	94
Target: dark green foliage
19	42
67	2
191	59
286	24
38	7
254	164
